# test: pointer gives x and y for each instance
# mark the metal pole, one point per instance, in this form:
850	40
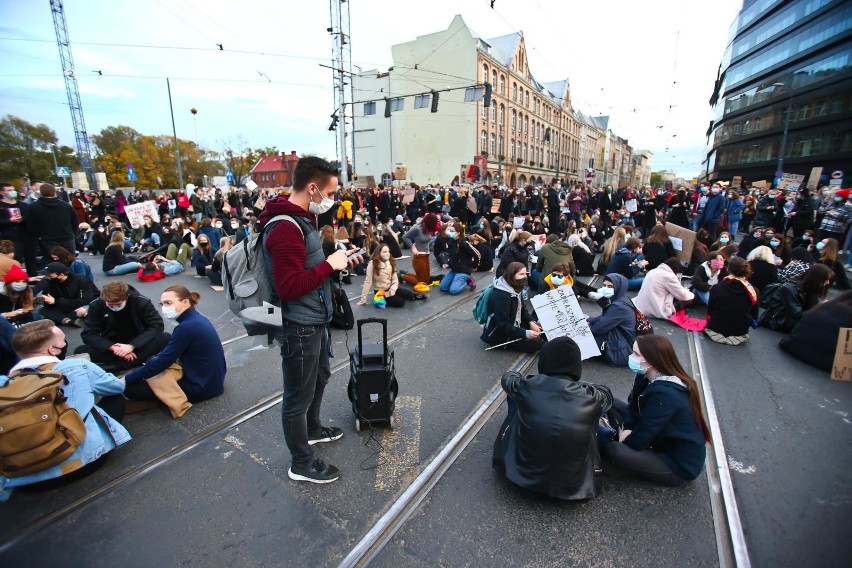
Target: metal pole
174	131
780	170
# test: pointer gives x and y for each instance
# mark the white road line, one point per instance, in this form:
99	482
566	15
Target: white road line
400	455
719	474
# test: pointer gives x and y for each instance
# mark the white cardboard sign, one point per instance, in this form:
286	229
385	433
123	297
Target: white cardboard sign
137	211
559	314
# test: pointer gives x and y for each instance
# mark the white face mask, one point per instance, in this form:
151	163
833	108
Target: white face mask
557	280
19	286
321	207
169	312
606	292
218	225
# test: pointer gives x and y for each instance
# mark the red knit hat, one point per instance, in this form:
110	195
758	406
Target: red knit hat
844	193
15	273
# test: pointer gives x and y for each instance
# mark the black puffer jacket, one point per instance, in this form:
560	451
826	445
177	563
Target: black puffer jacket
547	444
98	329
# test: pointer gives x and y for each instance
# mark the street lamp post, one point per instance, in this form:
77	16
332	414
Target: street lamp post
174	131
780	170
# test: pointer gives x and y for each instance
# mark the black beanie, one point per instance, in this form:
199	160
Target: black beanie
561	357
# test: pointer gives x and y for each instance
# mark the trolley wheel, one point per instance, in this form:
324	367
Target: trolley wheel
357	425
391	422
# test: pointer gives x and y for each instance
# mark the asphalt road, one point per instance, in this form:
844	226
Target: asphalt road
229	502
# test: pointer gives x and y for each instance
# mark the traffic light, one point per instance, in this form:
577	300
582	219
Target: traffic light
486	99
387	108
434	101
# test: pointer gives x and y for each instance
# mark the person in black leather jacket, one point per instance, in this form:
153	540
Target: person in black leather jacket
547	443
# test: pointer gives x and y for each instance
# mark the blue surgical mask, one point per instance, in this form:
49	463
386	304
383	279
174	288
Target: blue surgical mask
806	237
820	245
606	292
723	240
774	244
14	195
451	234
117	308
635	365
837	199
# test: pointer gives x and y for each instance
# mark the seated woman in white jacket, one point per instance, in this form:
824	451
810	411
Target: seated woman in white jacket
660	289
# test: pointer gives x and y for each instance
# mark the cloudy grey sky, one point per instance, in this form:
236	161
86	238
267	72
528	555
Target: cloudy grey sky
649	65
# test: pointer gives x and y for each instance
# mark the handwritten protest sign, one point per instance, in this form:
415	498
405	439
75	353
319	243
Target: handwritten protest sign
631	205
407	195
560	315
683	241
137	211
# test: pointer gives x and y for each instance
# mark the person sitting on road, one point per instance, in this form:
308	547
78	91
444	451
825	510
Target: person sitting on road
661	430
464	260
814	338
159	268
615	329
214	273
74	264
202	255
382	275
417	239
584	259
708	274
555	251
66	296
763	269
516	251
39	343
7	257
800	261
122	329
658	248
786	303
17	302
486	253
194	342
628	262
662	294
732	306
559	275
115	263
547	443
511	326
827	251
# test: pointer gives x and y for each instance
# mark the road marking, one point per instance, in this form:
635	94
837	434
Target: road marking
740	467
400	454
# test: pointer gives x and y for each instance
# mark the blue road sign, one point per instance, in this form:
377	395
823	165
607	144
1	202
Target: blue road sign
63	171
229	175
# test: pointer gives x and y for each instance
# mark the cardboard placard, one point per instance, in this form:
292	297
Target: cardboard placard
495	204
687	241
737	182
407	195
559	314
842	368
813	179
540	241
759	184
790	181
631	205
137	211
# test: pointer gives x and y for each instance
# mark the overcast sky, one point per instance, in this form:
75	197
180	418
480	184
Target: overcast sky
649	65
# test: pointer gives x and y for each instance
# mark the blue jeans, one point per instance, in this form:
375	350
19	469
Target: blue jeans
536	282
734	226
125	268
703	297
635	283
305	364
454	282
153	240
198	217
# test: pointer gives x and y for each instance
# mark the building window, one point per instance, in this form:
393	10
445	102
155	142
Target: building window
500	145
493	150
502	85
483	141
514	91
512	149
525	151
493	113
514	119
527	99
422	101
397	104
484	111
369	108
502	116
494	80
485	73
526	125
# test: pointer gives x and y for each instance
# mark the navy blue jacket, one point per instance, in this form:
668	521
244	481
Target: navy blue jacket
665	424
617	324
622	263
198	347
713	209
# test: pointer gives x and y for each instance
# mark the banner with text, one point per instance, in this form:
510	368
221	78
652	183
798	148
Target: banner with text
137	211
559	314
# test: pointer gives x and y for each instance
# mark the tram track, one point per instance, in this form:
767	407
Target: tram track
138	472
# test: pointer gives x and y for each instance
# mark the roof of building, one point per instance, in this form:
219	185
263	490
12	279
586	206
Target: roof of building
274	163
503	48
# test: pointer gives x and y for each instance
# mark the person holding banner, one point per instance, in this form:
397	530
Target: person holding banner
510	325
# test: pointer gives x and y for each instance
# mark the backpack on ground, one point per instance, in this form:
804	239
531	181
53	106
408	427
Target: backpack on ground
247	280
38	429
480	310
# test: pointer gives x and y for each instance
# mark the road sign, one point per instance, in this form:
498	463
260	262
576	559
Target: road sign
63	171
837	174
229	175
131	173
589	177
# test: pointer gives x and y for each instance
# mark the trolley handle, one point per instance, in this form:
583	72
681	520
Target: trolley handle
384	324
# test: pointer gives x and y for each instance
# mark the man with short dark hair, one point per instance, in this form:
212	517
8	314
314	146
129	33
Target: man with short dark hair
66	295
122	329
301	273
52	221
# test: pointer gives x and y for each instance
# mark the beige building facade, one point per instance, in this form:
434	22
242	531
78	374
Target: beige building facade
530	134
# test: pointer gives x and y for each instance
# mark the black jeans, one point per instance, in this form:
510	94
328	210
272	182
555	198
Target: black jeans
111	362
306	368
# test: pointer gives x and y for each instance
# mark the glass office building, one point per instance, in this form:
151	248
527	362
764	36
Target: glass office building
784	92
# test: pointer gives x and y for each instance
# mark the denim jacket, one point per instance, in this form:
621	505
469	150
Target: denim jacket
85	381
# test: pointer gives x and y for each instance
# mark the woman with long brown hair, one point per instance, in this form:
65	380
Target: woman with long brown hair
662	431
827	250
610	247
382	275
418	240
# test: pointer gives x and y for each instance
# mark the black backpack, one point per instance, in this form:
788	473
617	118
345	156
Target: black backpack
341	314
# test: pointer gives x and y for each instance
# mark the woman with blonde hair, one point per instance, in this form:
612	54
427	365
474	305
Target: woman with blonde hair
827	250
115	263
763	268
610	247
214	273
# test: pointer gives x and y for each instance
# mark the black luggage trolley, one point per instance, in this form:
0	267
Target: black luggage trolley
372	383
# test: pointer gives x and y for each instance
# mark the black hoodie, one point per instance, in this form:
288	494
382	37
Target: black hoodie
52	219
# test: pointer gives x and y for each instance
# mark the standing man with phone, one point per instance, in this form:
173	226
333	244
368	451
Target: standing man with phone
301	274
13	227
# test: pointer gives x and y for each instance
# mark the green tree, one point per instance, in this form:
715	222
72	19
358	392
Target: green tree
656	179
25	150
